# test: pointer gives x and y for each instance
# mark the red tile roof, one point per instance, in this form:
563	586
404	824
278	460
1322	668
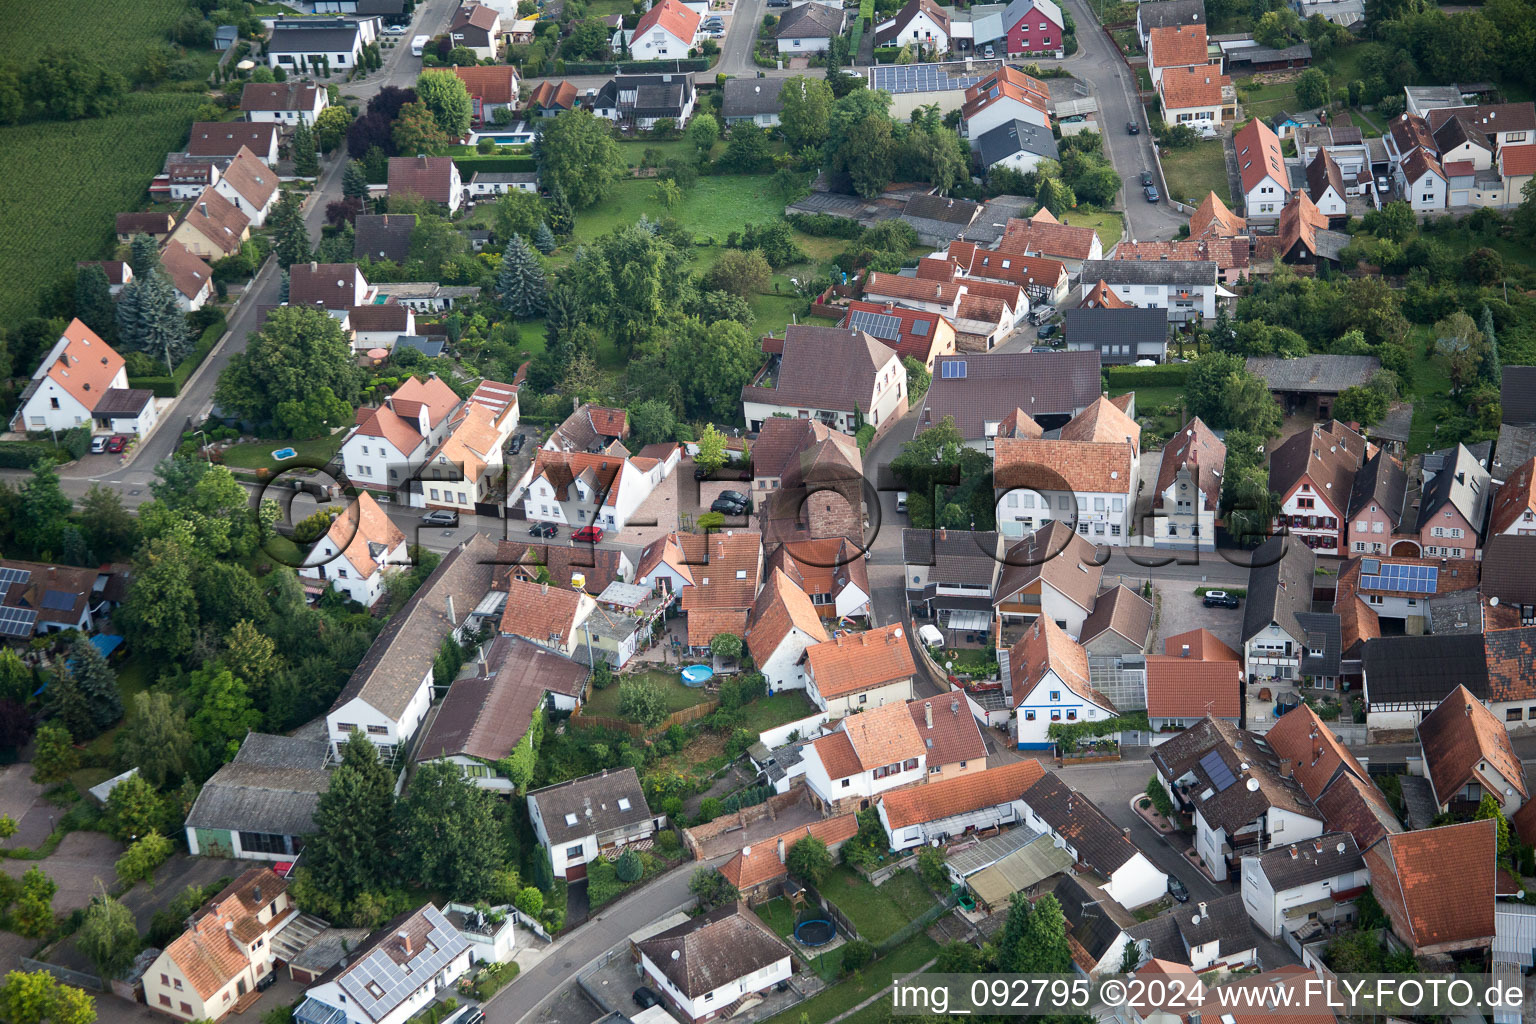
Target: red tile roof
495	83
883	735
1179	687
954	735
1197	447
1437	885
1102	296
218	220
1513	499
85	365
1047	238
962	794
861	661
1460	736
363	530
263	96
1202	644
430	177
384	422
781	608
672	16
1015	267
188	271
1200	85
549	94
224	138
1081	466
760	862
1517	160
1258	155
837	755
1177	45
1103	422
1213	217
1046	647
540	613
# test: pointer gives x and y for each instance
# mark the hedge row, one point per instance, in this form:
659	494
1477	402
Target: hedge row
824	225
210	337
576	67
1162	375
468	165
24	454
162	386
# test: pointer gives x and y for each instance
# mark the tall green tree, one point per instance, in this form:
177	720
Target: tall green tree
577	153
354	180
144	255
150	321
517	213
523	288
54	755
306	160
33	916
448	837
37	997
108	937
158	743
221	716
446	97
807	114
416	131
97	682
544	238
296	351
93	301
351	850
42	512
562	219
109	528
1491	370
290	238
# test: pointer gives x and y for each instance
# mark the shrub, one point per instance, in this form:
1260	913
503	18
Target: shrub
530	901
1159	797
930	864
76	441
710	809
629	869
808	860
141	859
603	883
857	954
667	842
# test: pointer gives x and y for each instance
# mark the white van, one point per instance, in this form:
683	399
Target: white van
419	44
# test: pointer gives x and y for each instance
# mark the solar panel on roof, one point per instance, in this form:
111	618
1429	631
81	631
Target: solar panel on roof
1221	776
920	327
8	575
881	325
1370	566
17	621
58	601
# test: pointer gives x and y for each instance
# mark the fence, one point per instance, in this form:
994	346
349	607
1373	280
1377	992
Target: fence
805	727
76	978
837	917
917	924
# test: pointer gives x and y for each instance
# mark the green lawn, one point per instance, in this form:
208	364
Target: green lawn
606	702
789	706
712	208
1108	224
844	996
258	455
1430	394
778	915
1194	171
878	913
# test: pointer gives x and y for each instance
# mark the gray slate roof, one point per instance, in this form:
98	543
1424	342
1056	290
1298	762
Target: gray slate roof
810	21
1509	569
1099	327
1099	844
1325	375
997	383
1088	917
383	236
714	949
1171	12
1323	642
297	39
1279	587
1165	272
1312	860
748	97
952	556
1517	394
1423	669
594	800
1224	921
1013	137
273	785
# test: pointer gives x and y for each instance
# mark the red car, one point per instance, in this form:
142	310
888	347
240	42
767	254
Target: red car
116	443
589	534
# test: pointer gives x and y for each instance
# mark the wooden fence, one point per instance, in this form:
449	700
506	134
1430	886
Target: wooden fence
683	717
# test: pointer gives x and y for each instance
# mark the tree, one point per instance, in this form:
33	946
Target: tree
144	255
641	701
290	238
703	132
668	194
530	901
918	379
296	351
577	154
1488	808
1491	371
306	161
33	916
37	997
739	273
134	809
96	681
521	283
1278	29
544	239
222	715
1027	943
562	219
1054	196
517	213
446	96
42	512
149	319
141	859
725	645
1311	87
110	529
93	301
930	865
448	835
54	756
1482	266
712	889
807	112
652	422
158	742
354	180
711	454
350	850
808	860
416	131
1360	404
1394	221
108	936
747	151
331	127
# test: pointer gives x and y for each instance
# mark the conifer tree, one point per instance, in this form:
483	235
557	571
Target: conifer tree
354	180
523	288
562	218
544	239
144	255
306	162
93	302
290	236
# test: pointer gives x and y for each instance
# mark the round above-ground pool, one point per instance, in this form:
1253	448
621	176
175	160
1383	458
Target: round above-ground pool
816	932
697	675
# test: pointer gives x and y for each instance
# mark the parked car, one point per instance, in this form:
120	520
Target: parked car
726	506
644	997
1220	599
1040	314
1133	128
589	535
901	501
517	442
1178	890
440	517
543	530
468	1015
1383	187
1146	178
736	496
1047	331
988	52
1151	193
98	444
116	443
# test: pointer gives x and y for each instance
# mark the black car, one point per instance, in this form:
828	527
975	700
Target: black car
645	998
440	517
518	440
543	530
728	507
1133	127
1146	178
1220	599
736	496
1047	330
1177	890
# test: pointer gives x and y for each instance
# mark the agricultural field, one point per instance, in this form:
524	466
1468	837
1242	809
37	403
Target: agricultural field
115	32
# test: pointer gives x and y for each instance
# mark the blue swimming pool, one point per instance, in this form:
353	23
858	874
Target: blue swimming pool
697	675
283	453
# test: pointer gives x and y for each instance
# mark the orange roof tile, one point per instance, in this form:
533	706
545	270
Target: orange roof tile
1213	217
84	366
781	608
364	533
218	220
760	862
1460	735
917	289
915	805
726	570
861	661
1199	85
704	624
472	442
1316	755
1047	238
432	392
1197	447
204	952
1437	885
539	612
1202	644
1180	687
1015	267
1103	422
671	15
493	83
1047	647
1082	466
883	735
823	565
1258	154
954	735
1177	45
1517	160
837	755
384	422
1101	296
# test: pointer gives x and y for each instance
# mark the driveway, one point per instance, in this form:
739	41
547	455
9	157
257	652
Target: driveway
82	861
22	801
1180	609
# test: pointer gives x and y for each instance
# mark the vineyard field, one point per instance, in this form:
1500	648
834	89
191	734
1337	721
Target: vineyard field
115	32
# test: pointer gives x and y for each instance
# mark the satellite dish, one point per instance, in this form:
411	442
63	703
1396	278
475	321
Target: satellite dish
896	632
746	851
1340	848
1253	785
676	953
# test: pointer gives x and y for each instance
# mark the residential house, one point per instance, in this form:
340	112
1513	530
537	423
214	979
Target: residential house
477	28
1514	504
1316	880
1279	591
754	101
727	570
1422	179
982	392
414	958
1516	166
1198	96
1044	280
72	379
580	489
1468	755
1097	928
1076	823
577	821
938	219
391	442
387	697
219	142
860	670
1033	27
830	571
1347	148
1015	144
1298	382
283	102
1238	790
1314	473
758	868
1408	132
1167	14
1438	886
1231	255
841	377
332	286
462	471
1503	124
189	274
499	183
984	312
156	225
433	178
212	227
919	334
550	98
1186	289
315	46
492	88
1051	573
1507	577
1377	505
1301	238
570	566
1333	779
1511	673
358	551
210	968
1188	493
1212	218
378	325
551	617
1044	235
1326	188
1454	502
868	753
668	29
383	236
921	24
260	805
129	411
1120	336
950	576
1404	678
1048	673
809	28
1261	166
1176	46
811	482
1003	97
783	624
953	738
1196	676
1117	630
707	965
250	185
642	100
1090	484
184	179
590	428
38	598
945	810
486	716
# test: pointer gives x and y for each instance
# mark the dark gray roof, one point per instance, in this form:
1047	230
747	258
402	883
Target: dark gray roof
1013	137
402	655
1316	374
327	949
1517	394
1214	752
1423	669
1322	640
123	401
430	347
1516	445
995	214
1382	482
383	236
1121	610
329	39
1223	921
1509	568
945	209
1279	587
810	21
1150	271
1093	919
273	785
714	949
594	801
1099	327
1266	54
1446	489
748	97
1171	12
1160	937
1099	844
1460	611
953	556
995	384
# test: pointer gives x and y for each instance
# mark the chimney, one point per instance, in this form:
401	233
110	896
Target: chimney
781	849
1202	910
421	160
1293	852
452	618
256	895
314	268
1285	767
544	588
954	707
928	713
1469	710
405	942
943	533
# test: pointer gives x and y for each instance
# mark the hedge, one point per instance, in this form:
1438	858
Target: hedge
468	165
887	54
576	67
824	225
1162	375
162	386
210	337
24	454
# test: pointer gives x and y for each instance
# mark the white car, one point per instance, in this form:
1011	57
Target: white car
930	636
98	444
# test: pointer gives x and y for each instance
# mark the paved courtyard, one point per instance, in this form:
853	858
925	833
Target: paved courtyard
80	861
21	799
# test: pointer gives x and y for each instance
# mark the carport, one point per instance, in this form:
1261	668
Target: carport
1025	867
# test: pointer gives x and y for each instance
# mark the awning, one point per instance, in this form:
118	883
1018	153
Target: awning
972	620
1018	871
1222	293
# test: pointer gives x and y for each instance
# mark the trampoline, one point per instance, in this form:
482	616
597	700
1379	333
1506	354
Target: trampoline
815	932
697	675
